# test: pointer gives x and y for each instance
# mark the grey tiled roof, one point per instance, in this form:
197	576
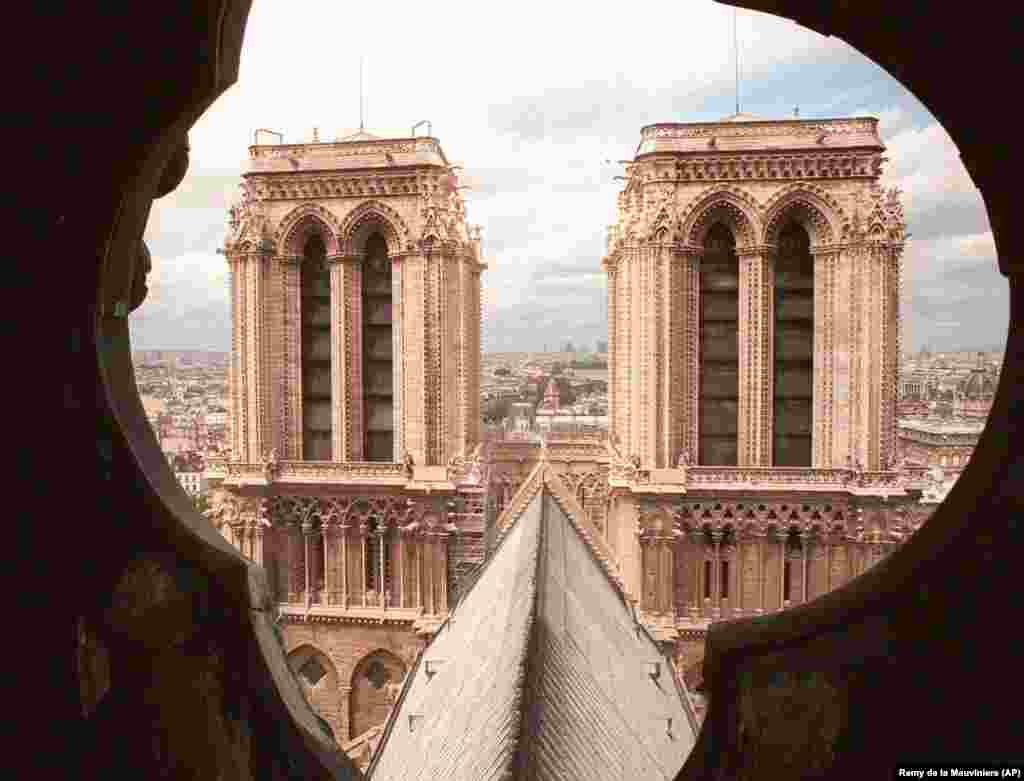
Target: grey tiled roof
543	675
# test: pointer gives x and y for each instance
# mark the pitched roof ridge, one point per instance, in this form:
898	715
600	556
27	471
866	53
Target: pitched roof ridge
520	640
521	702
586	530
520	500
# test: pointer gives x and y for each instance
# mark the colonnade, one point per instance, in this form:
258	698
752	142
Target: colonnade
351	565
711	574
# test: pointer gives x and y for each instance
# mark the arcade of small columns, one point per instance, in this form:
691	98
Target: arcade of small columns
373	561
697	571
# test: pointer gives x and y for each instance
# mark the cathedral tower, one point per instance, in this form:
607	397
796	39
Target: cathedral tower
753	299
353	473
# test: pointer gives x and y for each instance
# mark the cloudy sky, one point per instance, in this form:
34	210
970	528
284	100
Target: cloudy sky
534	102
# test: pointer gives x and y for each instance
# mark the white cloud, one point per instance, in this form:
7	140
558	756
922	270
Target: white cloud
579	82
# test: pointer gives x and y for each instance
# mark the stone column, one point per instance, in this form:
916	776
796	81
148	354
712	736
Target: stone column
421	601
330	584
258	543
828	561
442	565
291	386
736	574
831	361
362	568
666	575
341	367
756	324
761	541
381	542
343	528
716	590
307	533
402	585
256	382
782	572
610	266
804	540
696	556
683	371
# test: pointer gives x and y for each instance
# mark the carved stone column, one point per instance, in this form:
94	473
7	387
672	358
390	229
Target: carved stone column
307	533
831	361
291	359
805	537
362	568
716	590
762	540
401	568
610	265
343	529
421	601
397	342
342	334
684	365
696	548
442	567
756	324
330	582
666	576
258	543
782	572
381	542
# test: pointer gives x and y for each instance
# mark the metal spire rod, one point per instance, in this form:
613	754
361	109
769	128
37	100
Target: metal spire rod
360	94
736	49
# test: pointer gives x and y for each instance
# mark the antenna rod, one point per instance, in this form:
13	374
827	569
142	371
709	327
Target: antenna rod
736	48
360	94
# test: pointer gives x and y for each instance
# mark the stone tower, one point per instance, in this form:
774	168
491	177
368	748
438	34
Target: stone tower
355	290
753	290
354	385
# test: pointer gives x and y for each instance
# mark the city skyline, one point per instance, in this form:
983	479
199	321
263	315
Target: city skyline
543	135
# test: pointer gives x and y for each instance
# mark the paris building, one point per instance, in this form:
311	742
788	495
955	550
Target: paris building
753	281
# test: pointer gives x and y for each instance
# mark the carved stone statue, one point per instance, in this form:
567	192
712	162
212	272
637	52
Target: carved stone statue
684	459
407	459
270	465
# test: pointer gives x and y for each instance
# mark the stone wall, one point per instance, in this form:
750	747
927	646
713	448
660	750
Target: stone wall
344	647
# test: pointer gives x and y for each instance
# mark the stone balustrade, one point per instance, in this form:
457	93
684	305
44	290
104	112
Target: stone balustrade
315	472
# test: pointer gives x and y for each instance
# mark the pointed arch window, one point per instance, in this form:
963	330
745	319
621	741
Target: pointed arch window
378	353
793	349
719	349
316	352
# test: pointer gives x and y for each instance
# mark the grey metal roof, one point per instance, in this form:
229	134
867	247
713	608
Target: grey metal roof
541	673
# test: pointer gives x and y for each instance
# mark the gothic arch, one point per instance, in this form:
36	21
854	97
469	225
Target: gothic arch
374	682
730	205
302	222
810	206
313	667
362	221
